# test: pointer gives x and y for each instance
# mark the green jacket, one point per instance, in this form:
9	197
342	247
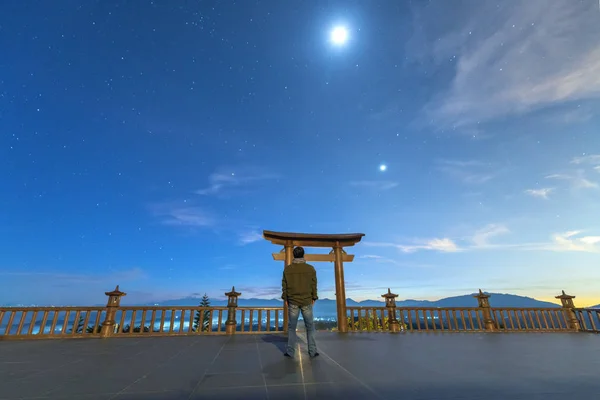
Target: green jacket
299	284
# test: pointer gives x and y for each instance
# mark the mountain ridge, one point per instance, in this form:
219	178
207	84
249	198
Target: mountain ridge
499	300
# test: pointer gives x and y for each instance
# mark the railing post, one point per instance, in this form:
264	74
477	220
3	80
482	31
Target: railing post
569	310
484	303
114	300
232	303
390	303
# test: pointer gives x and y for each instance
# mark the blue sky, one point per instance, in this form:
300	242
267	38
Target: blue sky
148	145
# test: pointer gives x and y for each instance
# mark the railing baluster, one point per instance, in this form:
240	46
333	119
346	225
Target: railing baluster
132	322
22	322
538	320
582	322
43	324
172	321
251	323
591	317
32	323
162	320
462	320
86	322
509	322
11	317
66	322
220	320
410	320
259	320
181	320
268	320
243	320
550	314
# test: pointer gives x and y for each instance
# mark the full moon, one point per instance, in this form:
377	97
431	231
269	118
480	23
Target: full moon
339	35
382	167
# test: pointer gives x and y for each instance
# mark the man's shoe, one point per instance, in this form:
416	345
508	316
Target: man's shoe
314	355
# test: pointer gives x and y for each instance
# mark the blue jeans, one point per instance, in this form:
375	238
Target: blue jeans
307	314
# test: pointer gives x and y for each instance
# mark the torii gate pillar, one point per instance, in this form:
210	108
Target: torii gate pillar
337	256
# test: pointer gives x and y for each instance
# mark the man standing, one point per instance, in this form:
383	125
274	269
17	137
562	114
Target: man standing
299	287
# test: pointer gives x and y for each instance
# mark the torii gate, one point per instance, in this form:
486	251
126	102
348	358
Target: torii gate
337	242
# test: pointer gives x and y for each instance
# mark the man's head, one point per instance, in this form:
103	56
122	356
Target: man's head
298	252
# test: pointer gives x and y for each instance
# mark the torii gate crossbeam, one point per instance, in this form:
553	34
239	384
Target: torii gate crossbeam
335	241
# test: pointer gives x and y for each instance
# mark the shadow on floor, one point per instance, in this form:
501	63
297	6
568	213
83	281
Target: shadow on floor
279	341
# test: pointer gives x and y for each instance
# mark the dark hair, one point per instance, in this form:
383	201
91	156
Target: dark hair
298	252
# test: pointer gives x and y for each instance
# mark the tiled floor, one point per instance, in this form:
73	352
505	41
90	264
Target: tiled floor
354	366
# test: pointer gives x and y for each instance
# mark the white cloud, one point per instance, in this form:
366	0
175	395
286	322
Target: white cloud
469	171
592	159
482	236
509	58
182	214
577	180
569	241
541	193
250	237
444	245
235	177
375	185
572	241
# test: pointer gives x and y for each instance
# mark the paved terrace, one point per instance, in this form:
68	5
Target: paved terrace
352	366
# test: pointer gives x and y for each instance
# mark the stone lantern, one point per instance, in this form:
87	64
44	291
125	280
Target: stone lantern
483	301
232	303
390	303
569	309
114	301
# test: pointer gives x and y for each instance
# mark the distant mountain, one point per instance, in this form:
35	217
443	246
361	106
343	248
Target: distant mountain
596	306
327	307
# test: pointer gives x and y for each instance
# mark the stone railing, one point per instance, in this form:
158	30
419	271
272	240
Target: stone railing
115	320
118	321
473	319
589	319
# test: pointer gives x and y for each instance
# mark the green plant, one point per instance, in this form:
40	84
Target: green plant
373	323
202	318
80	327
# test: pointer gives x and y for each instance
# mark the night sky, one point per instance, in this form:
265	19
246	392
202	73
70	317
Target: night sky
149	143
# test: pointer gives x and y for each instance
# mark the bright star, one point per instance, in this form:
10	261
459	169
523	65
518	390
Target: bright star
339	35
382	167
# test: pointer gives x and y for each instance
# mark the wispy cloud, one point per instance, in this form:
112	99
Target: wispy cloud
444	245
469	171
232	178
250	236
573	241
590	159
542	193
375	185
577	180
182	214
377	259
261	292
509	58
482	236
483	240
